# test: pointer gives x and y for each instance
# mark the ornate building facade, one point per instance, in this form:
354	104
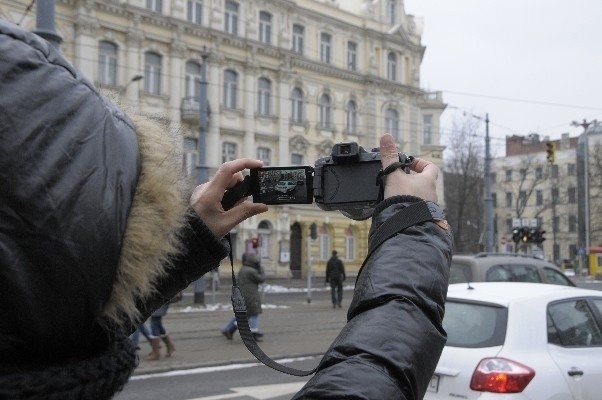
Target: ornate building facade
286	80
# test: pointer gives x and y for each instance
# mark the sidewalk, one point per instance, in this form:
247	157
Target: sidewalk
292	327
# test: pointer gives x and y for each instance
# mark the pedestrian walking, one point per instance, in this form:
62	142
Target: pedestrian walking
250	276
335	275
159	333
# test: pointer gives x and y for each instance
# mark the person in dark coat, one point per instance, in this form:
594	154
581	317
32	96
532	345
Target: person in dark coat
335	275
250	276
97	231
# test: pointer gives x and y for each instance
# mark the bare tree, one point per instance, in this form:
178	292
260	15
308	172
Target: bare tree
595	193
463	177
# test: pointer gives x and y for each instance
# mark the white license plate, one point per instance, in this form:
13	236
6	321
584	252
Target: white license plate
434	384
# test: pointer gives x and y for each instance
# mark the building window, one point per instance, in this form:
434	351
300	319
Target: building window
571	170
296	159
572	195
508	175
391	12
349	244
325	111
508	199
264	88
391	66
539	197
265	27
392	122
192	85
230	88
264	234
298	34
231	18
493	176
325	47
351	117
195	11
427	129
538	173
263	154
152	73
324	241
509	225
228	152
155	5
107	63
555	171
523	174
297	105
352	56
522	198
494	200
555	224
555	195
572	223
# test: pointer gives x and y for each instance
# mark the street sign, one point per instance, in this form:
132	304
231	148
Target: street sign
516	223
524	222
533	222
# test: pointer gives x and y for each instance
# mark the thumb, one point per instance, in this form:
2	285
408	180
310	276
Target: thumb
388	156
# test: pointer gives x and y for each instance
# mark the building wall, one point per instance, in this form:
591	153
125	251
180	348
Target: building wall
136	32
557	199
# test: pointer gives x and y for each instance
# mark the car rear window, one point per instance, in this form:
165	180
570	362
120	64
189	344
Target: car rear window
474	324
460	273
512	273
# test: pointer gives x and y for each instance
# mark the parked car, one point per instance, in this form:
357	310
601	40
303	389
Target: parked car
505	267
285	186
520	341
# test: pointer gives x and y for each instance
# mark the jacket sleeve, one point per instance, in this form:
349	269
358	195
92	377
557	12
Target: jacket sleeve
201	253
393	338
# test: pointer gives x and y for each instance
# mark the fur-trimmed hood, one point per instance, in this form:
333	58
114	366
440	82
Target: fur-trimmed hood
90	203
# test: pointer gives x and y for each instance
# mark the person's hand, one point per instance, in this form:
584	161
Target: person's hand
420	182
206	198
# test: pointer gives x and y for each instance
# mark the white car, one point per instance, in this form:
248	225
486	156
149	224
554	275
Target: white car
520	341
286	186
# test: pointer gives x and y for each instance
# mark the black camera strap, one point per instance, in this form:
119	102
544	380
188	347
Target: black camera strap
240	312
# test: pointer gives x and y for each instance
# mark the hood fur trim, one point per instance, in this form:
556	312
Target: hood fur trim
156	217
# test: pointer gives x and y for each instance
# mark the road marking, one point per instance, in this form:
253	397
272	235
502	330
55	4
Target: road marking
206	370
261	392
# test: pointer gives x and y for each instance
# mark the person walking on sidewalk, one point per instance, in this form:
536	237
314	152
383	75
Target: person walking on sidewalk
249	277
142	329
335	275
159	333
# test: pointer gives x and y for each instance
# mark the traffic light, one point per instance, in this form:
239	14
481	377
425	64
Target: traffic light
525	235
255	242
551	152
541	237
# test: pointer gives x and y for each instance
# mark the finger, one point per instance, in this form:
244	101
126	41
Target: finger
388	150
223	177
426	168
237	177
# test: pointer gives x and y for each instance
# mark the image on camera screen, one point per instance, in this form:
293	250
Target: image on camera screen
283	185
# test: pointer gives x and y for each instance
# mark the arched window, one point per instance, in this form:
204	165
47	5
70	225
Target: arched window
264	234
230	88
351	117
193	79
107	63
325	111
349	244
297	105
392	122
264	90
391	66
152	72
324	242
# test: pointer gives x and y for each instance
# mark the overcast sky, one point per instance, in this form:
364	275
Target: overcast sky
532	65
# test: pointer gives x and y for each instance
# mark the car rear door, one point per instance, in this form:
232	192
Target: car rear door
575	344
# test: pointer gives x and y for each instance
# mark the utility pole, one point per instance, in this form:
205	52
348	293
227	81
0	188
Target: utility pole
585	157
488	201
201	168
45	22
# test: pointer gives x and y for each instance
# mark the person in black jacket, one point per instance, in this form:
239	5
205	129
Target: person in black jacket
97	231
335	275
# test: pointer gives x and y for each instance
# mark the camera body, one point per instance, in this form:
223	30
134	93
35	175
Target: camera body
349	180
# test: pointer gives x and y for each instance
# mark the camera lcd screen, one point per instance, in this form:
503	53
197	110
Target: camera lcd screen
282	185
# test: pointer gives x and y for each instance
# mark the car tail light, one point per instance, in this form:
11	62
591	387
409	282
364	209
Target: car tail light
500	375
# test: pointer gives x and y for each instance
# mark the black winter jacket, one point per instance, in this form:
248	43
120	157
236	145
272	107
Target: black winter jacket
393	339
